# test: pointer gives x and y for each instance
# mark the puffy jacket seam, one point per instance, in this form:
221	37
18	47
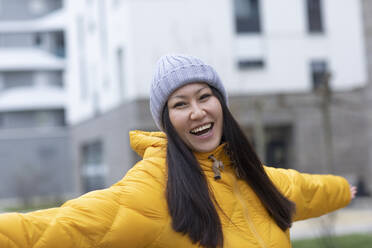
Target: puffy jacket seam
156	239
108	229
232	213
62	228
12	241
44	231
154	177
41	235
24	227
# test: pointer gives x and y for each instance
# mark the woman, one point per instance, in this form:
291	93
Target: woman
199	184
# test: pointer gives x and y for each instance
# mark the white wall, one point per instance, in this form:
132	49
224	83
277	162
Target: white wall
201	28
288	48
93	83
147	29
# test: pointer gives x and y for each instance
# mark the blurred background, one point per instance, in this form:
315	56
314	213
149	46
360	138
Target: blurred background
75	78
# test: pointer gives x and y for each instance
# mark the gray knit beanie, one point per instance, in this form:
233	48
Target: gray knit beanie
174	71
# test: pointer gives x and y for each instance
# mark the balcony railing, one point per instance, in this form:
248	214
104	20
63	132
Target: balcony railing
29	79
52	42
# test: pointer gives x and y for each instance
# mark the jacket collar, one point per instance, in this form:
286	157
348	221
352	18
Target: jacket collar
148	144
145	143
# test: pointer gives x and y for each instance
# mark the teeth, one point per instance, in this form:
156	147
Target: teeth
201	128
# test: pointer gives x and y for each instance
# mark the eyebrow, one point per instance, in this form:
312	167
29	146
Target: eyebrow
183	96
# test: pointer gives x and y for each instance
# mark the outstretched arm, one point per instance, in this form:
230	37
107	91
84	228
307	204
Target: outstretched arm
124	215
314	195
83	220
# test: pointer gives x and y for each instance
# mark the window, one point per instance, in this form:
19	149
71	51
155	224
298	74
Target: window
247	16
56	79
47	118
277	147
17	79
33	119
314	16
16	40
59	43
318	73
37	39
247	64
50	78
93	170
276	141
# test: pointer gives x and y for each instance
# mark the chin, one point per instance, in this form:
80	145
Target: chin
208	148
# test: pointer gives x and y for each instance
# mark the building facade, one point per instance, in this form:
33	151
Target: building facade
256	46
34	139
75	78
272	57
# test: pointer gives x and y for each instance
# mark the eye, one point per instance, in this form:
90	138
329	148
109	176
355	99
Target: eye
205	96
179	104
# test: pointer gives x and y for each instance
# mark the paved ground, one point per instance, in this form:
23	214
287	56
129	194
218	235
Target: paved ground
356	218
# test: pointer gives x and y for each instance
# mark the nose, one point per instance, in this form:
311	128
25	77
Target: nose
197	112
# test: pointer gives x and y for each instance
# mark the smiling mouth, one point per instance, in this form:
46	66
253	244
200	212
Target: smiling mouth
202	129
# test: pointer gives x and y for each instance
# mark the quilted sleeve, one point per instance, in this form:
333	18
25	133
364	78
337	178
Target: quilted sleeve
124	215
314	195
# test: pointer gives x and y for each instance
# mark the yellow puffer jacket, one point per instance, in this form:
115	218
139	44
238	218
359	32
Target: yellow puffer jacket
133	212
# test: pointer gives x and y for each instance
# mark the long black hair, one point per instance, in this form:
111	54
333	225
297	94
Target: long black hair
191	203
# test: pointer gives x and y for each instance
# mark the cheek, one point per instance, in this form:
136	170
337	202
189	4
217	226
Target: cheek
221	114
177	119
217	109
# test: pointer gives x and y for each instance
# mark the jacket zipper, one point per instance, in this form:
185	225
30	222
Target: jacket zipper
247	215
216	167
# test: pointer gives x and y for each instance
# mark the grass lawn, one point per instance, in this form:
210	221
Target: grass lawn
346	241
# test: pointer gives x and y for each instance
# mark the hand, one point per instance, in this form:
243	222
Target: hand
353	191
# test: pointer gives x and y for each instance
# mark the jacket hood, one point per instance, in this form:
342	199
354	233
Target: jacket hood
142	142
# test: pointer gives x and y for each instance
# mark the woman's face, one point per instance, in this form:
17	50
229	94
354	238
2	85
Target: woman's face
196	115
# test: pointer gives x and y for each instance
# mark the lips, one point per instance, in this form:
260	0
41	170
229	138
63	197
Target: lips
200	130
